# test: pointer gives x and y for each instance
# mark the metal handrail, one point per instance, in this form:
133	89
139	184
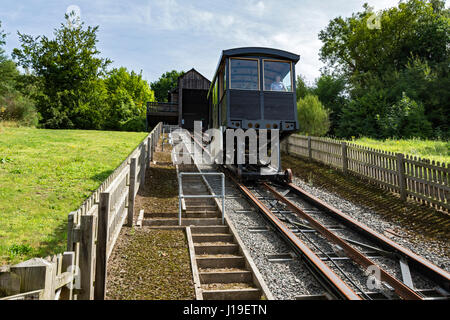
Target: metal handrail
202	174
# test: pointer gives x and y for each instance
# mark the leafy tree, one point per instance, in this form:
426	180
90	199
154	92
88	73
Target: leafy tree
411	29
8	70
164	84
312	116
2	43
128	94
331	92
302	88
69	67
15	103
409	53
406	119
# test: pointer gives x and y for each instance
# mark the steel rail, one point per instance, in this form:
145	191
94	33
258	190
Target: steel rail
337	287
419	263
322	252
435	273
400	288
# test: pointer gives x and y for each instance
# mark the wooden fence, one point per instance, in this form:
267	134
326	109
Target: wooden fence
40	279
92	233
411	177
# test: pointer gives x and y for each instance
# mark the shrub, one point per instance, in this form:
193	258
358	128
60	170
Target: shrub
405	119
312	116
136	124
18	108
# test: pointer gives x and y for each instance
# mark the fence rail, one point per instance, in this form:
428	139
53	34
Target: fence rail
162	107
40	279
93	230
409	176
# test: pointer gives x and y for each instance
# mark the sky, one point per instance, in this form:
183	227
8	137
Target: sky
156	36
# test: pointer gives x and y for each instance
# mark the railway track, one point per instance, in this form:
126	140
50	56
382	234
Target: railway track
335	247
331	244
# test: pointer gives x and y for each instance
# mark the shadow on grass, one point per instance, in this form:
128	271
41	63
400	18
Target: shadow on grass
55	243
100	177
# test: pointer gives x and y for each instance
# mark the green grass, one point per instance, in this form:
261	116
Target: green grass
44	175
428	149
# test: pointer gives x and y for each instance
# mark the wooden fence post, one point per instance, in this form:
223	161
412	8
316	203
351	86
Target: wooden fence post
344	157
401	175
36	274
68	265
132	192
149	151
309	148
70	227
87	257
9	282
146	117
102	246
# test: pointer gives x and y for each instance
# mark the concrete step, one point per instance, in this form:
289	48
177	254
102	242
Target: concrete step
209	229
233	294
183	215
199	202
199	211
226	277
211	207
184	222
231	248
212	237
220	262
191	187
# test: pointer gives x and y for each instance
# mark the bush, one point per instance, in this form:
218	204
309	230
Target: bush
312	116
405	119
136	124
16	107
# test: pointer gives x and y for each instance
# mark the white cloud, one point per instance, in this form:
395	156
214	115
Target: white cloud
199	30
256	8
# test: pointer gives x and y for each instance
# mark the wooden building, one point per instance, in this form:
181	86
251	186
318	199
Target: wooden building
187	103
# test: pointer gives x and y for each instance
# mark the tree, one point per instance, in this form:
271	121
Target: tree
8	70
331	91
15	102
409	53
164	84
414	28
2	43
405	119
128	94
70	68
312	116
302	88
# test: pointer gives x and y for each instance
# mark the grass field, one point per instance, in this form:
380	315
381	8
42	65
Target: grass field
44	175
433	150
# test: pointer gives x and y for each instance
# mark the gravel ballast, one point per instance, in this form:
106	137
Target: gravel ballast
286	280
290	279
434	250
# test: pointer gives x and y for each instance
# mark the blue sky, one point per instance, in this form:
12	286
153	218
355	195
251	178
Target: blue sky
160	35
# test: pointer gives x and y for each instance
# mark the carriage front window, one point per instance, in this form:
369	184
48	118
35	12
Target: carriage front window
277	76
244	74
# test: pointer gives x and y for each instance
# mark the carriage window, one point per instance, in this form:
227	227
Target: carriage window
277	76
244	74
